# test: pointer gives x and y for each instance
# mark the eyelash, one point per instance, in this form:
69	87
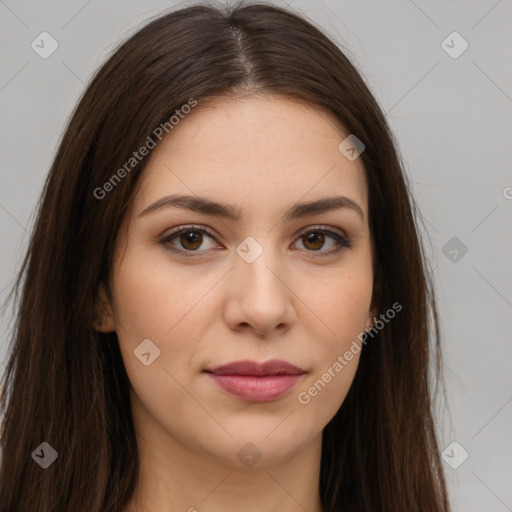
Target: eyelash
343	242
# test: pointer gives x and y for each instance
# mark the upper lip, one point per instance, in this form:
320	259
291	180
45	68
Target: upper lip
247	367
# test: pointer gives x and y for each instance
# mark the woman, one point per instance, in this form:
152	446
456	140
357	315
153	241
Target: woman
225	303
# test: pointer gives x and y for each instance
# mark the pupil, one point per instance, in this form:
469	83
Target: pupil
192	240
314	237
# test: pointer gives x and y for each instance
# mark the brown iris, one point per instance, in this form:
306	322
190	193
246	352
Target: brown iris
194	238
316	239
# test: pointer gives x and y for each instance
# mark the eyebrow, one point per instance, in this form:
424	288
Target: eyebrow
209	207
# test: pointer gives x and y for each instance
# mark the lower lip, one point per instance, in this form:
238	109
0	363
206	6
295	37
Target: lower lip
256	388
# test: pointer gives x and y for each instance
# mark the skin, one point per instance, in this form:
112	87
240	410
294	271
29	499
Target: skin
260	154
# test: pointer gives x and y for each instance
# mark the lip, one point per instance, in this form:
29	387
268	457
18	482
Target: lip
257	382
247	367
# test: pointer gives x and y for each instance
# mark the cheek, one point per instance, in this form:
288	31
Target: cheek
144	310
341	305
156	301
336	355
153	304
322	395
153	298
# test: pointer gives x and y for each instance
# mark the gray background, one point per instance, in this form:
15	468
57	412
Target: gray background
453	121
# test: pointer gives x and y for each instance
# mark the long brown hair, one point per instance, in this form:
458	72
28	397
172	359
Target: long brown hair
65	383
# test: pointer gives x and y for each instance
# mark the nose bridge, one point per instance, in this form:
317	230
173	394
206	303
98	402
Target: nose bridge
258	289
258	266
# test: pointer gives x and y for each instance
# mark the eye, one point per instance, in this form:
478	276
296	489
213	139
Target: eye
191	238
315	238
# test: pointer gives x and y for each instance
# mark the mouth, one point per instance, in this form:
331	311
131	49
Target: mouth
256	382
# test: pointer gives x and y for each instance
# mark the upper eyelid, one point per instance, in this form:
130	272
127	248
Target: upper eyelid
340	236
343	241
211	232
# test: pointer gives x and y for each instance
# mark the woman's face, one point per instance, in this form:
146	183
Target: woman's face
274	283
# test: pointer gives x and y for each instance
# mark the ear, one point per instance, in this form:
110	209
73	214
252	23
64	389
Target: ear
369	319
104	320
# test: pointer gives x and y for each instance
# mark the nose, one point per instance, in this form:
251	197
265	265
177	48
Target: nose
260	296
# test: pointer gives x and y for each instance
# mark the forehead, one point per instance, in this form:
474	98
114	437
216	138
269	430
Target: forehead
259	151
